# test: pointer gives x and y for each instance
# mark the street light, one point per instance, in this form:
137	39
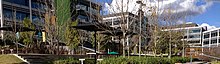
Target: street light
140	9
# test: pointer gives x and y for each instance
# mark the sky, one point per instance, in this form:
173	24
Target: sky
210	16
202	12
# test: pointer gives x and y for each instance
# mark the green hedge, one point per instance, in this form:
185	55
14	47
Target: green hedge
72	61
126	60
144	60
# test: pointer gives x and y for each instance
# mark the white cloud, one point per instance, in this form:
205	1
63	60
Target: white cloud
209	27
177	9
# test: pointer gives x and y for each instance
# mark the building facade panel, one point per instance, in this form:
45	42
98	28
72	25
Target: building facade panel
16	10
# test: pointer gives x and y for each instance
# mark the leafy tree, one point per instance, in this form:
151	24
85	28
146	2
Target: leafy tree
27	37
72	35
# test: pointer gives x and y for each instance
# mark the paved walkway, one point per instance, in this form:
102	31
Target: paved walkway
197	62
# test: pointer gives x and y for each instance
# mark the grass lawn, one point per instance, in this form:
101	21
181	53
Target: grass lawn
10	59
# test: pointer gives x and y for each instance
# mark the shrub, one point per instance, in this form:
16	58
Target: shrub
144	60
89	61
180	59
215	62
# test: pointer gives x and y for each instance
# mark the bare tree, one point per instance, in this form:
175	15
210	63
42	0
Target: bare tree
127	23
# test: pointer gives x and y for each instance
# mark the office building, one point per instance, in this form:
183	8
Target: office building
14	11
85	10
192	33
211	38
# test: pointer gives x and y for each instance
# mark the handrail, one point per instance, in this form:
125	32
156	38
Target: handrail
210	56
90	49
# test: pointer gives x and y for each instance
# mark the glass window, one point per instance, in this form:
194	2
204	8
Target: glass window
7	14
21	2
206	35
214	34
83	18
218	40
36	18
194	31
20	16
194	36
38	5
206	42
213	41
81	7
194	41
219	33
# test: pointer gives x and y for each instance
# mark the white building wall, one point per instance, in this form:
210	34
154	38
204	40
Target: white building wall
211	38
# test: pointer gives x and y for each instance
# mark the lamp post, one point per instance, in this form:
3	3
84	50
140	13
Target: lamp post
140	10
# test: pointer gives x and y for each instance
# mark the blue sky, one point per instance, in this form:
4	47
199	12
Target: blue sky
211	16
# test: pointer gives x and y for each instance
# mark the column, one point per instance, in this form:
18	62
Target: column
202	41
217	37
210	36
1	17
128	50
30	9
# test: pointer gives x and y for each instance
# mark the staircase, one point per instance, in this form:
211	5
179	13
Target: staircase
36	58
46	58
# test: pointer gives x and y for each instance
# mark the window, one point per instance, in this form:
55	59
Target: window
21	2
194	31
36	18
83	18
7	14
20	16
194	41
219	33
218	40
206	42
206	35
194	36
213	41
213	34
38	5
81	7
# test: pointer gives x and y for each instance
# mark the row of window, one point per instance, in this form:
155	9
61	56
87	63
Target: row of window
194	41
194	31
38	5
26	3
213	34
86	8
212	42
21	2
194	36
8	14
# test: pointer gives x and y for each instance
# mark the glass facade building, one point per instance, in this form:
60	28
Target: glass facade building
85	10
16	10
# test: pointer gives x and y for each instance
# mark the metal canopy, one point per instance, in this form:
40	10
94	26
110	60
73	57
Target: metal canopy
117	33
18	29
93	27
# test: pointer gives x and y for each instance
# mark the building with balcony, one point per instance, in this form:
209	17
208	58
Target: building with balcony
15	11
85	10
129	24
211	38
192	33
